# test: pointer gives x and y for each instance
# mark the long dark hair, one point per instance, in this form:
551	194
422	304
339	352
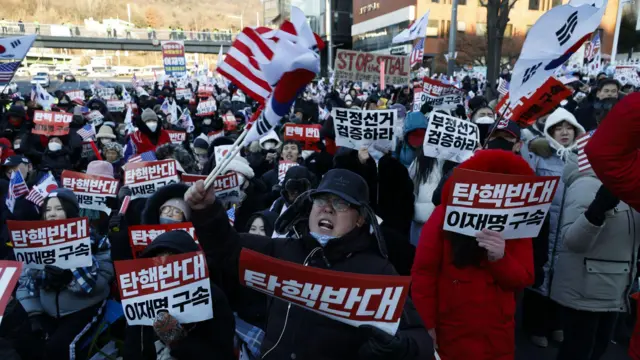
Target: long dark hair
425	166
465	250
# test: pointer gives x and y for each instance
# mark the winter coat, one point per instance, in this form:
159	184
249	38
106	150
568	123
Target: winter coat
597	264
423	206
356	252
144	142
472	308
405	153
613	150
72	298
56	162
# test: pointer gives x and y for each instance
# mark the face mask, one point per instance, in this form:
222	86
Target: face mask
152	125
501	144
268	145
485	120
54	146
206	121
166	220
16	146
105	141
322	239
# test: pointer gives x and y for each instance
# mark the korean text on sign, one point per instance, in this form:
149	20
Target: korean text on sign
92	191
140	236
177	136
510	204
51	123
283	167
115	105
207	107
417	99
105	92
450	138
307	135
353	299
63	243
439	95
184	93
227	187
191	179
9	275
146	177
173	58
177	284
205	90
356	129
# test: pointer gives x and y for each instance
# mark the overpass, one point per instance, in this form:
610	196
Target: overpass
190	46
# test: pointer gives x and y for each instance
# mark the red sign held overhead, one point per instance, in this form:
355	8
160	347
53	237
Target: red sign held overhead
308	135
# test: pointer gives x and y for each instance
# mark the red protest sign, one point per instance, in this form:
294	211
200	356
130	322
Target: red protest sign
191	179
177	284
511	204
51	123
438	95
92	191
283	167
354	299
308	135
140	236
227	187
63	243
207	107
145	177
205	90
526	110
177	136
9	274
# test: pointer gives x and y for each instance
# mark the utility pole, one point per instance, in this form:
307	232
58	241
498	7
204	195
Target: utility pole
453	30
328	22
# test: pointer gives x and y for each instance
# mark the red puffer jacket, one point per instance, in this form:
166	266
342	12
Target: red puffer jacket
472	309
144	144
613	151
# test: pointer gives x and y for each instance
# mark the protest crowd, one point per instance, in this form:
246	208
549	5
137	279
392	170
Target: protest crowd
304	217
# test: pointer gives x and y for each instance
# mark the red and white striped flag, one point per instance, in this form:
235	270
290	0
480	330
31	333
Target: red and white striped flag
417	54
581	143
40	191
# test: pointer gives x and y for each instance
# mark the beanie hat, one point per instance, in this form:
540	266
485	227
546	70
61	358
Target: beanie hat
241	166
176	241
201	143
68	200
106	132
17	111
149	115
100	168
178	203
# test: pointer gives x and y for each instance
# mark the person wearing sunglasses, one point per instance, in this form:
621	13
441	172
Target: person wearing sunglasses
340	233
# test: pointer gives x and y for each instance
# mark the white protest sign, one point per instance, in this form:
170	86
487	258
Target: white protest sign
356	128
146	177
184	93
450	138
207	107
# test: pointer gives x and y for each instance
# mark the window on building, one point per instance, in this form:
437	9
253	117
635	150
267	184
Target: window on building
508	31
555	3
534	4
435	1
433	28
481	29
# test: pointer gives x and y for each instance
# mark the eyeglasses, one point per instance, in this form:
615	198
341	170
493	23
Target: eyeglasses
337	204
171	211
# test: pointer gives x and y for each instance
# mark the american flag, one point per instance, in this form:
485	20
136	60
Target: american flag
17	185
88	131
417	53
145	156
42	189
231	214
581	142
503	87
7	70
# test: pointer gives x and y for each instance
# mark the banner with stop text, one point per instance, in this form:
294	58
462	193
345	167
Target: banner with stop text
92	191
146	177
528	109
9	274
63	243
438	95
177	284
177	136
351	65
513	205
140	236
307	135
450	138
353	299
173	58
356	129
50	123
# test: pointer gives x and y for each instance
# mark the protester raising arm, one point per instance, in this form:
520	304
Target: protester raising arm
613	150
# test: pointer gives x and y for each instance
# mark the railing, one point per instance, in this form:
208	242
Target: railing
100	31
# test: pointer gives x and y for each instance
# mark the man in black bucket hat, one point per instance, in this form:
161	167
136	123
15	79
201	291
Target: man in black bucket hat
337	235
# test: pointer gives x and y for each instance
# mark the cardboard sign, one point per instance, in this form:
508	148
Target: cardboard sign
115	105
450	138
207	108
63	243
184	93
51	123
9	274
283	167
92	191
307	135
205	90
75	95
353	65
510	204
177	284
145	177
191	179
173	58
438	95
353	299
356	129
227	187
105	92
177	136
529	108
140	236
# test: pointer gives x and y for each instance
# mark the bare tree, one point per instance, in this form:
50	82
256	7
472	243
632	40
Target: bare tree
497	20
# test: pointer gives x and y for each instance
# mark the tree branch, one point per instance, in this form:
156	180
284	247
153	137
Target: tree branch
483	3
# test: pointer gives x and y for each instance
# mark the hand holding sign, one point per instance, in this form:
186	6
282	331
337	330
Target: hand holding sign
493	242
198	197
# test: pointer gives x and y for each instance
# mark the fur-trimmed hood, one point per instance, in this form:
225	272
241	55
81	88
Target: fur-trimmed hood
178	153
151	212
556	117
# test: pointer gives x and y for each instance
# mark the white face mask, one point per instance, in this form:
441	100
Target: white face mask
206	121
105	141
54	146
485	120
16	146
152	125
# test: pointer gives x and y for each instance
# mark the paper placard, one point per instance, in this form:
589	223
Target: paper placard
140	236
206	108
308	135
146	177
92	191
177	136
356	128
51	123
450	138
354	65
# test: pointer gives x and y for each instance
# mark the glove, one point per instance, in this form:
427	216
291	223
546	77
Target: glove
37	328
541	147
167	328
56	278
603	202
384	346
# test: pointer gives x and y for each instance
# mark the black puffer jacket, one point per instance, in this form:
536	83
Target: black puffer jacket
56	162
